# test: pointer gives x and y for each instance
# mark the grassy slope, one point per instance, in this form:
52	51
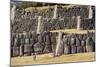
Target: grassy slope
49	59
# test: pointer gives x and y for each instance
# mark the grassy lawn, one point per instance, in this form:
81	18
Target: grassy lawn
49	59
73	31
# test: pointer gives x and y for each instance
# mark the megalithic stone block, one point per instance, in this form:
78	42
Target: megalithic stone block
79	49
24	33
59	46
27	49
39	24
13	11
90	12
66	49
16	51
21	50
73	49
55	12
78	22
